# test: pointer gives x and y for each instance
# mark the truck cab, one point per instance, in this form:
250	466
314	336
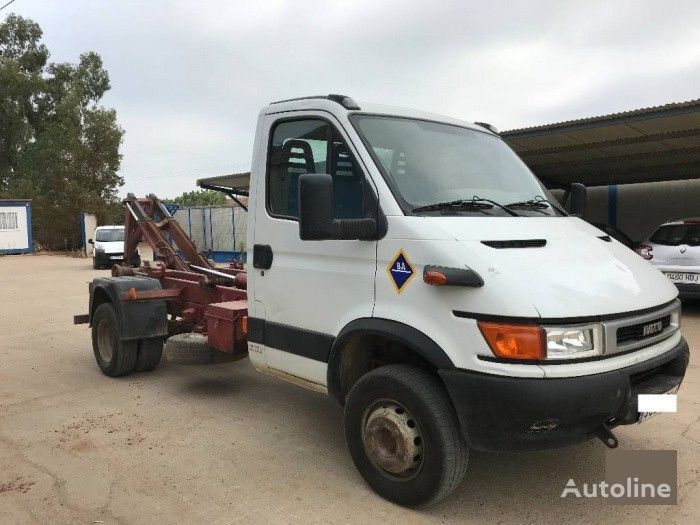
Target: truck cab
389	242
411	266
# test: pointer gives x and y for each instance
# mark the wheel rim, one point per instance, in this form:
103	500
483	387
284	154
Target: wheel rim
393	440
105	340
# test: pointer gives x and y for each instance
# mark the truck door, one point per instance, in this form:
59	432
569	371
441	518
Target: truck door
307	290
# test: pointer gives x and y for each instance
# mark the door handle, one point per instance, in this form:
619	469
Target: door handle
262	256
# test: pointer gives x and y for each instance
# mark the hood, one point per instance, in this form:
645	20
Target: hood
110	247
575	274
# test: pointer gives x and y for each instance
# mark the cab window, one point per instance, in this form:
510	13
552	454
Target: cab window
312	146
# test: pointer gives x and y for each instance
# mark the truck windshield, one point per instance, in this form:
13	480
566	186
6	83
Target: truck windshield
432	165
109	235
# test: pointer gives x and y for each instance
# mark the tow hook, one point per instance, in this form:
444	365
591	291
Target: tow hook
606	436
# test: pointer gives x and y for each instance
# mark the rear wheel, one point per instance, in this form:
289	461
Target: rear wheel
150	352
403	435
114	356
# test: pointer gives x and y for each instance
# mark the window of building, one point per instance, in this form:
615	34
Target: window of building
9	220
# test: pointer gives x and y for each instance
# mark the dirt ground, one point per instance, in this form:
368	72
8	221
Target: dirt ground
224	443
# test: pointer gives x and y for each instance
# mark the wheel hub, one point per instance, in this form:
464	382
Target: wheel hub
105	340
392	439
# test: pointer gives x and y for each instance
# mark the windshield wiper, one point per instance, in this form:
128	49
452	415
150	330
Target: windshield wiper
538	203
475	202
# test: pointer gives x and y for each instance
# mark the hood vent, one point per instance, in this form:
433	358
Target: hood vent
605	238
526	243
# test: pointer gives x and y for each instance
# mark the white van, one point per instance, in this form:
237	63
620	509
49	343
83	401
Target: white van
108	250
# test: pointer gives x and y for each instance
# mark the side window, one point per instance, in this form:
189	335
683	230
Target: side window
313	146
297	147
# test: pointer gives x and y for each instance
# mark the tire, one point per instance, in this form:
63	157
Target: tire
192	349
95	266
409	401
114	356
136	261
149	354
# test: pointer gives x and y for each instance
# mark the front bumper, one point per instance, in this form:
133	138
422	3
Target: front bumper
108	259
514	413
688	290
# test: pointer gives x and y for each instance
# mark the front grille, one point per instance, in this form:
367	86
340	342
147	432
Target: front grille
635	332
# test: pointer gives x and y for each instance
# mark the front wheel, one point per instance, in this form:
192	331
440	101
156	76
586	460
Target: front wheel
403	435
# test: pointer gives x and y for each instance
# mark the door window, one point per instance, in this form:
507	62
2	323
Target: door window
312	146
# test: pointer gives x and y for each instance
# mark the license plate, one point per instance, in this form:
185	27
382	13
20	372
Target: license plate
114	258
643	416
683	277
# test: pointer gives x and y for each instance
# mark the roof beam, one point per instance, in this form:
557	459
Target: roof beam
670	155
695	132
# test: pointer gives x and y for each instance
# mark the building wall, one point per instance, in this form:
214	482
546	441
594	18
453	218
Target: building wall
15	234
641	208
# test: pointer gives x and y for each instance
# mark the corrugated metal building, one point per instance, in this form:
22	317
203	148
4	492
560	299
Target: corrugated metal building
642	166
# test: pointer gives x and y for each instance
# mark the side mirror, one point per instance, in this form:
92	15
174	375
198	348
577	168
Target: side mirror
316	207
577	202
316	222
90	241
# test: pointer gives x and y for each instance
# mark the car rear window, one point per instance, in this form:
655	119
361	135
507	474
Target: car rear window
676	234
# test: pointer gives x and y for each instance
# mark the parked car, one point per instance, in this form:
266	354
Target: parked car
675	249
109	247
616	234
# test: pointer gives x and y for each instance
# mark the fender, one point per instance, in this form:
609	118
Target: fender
392	330
137	320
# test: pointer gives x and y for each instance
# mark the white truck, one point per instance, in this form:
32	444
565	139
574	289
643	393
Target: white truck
412	266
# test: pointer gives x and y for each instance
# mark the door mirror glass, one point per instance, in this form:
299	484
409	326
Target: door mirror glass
316	207
316	222
90	241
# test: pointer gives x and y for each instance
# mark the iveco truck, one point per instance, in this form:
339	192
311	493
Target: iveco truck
411	266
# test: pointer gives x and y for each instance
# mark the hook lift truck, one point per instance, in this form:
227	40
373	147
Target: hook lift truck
413	267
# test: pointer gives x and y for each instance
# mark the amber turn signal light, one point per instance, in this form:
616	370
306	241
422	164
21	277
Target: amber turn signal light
512	341
435	278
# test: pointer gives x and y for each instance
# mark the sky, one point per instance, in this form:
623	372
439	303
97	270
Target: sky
189	77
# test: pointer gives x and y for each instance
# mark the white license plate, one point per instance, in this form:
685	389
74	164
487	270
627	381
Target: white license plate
117	257
683	277
643	416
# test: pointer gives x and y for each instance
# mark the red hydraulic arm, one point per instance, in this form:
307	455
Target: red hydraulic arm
200	297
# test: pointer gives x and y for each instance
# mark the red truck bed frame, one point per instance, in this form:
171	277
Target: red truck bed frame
200	296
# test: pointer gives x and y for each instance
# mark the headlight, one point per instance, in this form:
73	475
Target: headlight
573	342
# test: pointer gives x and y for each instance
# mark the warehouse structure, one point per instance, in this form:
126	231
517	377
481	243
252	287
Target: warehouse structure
15	227
642	166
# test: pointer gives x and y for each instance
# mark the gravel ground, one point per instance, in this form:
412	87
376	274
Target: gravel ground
224	443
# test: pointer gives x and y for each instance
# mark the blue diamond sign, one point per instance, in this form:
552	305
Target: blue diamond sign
400	271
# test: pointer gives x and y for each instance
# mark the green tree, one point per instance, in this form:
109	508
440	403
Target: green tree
58	146
198	198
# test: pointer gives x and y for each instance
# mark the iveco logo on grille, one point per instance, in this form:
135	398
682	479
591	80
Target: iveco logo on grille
652	328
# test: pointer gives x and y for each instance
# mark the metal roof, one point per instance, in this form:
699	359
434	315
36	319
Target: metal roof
649	144
233	181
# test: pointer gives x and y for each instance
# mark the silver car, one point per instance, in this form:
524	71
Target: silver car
675	249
